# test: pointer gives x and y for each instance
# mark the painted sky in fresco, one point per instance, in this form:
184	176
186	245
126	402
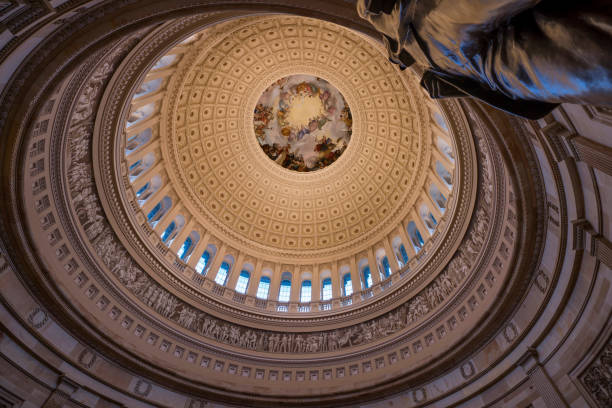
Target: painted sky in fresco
302	123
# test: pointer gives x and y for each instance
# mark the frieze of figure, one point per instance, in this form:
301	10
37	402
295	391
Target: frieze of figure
116	259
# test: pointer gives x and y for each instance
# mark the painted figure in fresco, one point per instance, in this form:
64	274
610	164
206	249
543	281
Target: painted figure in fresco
262	117
319	140
521	56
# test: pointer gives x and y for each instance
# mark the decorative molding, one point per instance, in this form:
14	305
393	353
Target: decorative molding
9	399
602	114
196	403
431	258
467	370
38	318
594	154
602	250
419	395
183	344
542	281
585	237
546	388
87	357
142	388
596	378
510	332
556	134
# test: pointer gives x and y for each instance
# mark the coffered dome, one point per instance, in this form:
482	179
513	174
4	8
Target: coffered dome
200	174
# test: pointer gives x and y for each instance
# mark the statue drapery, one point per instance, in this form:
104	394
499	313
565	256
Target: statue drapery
522	56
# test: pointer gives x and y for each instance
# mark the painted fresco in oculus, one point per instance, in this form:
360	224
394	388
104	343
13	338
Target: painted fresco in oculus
302	123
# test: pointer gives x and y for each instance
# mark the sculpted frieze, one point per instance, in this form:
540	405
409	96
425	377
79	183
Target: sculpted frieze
116	259
596	378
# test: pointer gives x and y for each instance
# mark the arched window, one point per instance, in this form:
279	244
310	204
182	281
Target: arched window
415	236
140	166
185	250
444	174
263	288
148	189
169	232
148	87
205	260
386	267
437	197
445	149
437	117
306	291
189	39
143	190
141	114
326	289
134	166
400	252
154	211
347	284
428	219
367	277
221	277
243	281
138	140
284	293
159	211
172	230
182	252
403	254
164	62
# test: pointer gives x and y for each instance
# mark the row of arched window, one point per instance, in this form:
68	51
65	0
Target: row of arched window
422	225
172	229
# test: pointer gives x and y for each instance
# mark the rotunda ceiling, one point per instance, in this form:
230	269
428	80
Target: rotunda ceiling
290	150
401	248
224	178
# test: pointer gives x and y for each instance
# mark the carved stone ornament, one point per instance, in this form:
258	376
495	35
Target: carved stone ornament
150	303
597	379
145	324
169	306
38	318
86	205
467	370
542	281
510	332
142	388
87	357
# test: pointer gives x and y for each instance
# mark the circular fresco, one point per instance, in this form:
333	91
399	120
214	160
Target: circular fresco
302	123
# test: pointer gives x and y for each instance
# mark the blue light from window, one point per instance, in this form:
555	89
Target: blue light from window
184	249
285	291
347	284
168	232
306	292
326	291
367	277
243	282
386	267
263	288
203	262
404	254
222	274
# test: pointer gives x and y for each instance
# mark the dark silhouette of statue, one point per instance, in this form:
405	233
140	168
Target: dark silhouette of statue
522	56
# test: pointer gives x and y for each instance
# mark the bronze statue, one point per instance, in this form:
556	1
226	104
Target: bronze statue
522	56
